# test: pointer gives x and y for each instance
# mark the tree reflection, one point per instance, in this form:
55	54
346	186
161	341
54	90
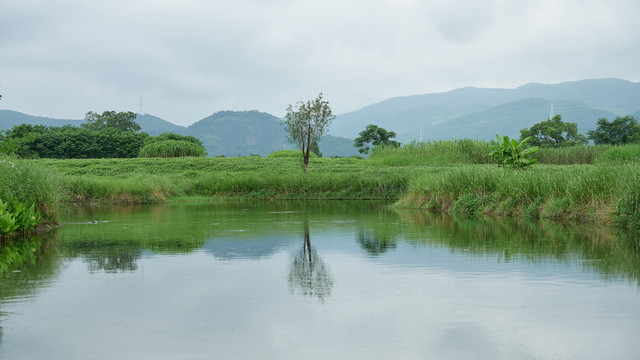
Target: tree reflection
375	243
308	272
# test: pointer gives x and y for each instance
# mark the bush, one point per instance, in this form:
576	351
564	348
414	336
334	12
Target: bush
172	148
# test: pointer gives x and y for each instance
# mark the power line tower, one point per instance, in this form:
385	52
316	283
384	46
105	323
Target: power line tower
551	110
140	108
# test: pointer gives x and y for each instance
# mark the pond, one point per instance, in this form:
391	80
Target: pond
318	280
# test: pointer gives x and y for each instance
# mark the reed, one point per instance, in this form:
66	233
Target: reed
172	148
28	182
583	193
434	153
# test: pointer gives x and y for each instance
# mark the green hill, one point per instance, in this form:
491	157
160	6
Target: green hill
466	112
510	118
9	119
155	126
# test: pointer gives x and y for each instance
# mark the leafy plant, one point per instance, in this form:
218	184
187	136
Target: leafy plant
15	217
513	153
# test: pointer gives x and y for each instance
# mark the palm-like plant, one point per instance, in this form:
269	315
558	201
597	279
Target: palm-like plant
513	153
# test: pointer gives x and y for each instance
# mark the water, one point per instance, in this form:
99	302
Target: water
317	280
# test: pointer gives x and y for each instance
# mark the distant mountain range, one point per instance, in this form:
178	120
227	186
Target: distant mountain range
463	113
481	113
228	133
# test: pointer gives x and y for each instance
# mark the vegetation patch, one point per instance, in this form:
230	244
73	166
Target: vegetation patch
583	193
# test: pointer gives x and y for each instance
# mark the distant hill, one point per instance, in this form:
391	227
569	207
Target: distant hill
155	126
481	113
463	113
9	119
228	133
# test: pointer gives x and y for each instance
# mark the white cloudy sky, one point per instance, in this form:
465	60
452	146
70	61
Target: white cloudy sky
191	58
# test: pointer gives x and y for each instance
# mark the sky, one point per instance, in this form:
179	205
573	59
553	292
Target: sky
187	59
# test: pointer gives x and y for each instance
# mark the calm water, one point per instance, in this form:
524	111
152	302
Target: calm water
319	280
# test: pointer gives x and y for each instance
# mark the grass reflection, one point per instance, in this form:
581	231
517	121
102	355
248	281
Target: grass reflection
613	253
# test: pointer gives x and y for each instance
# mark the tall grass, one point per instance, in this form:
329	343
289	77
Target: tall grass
149	180
172	148
29	182
579	192
458	152
433	153
621	154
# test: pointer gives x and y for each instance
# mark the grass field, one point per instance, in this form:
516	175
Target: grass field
593	184
149	180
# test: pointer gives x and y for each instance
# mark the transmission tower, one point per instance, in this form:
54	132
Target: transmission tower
140	108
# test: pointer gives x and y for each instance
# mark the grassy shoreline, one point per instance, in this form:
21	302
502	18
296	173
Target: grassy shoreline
454	176
608	194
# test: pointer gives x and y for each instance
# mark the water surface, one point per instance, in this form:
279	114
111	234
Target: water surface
348	280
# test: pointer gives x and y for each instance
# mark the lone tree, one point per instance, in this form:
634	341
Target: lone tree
620	131
373	136
554	133
306	124
123	121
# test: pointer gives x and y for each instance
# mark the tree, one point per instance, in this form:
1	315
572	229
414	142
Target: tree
373	136
110	119
306	124
554	133
620	131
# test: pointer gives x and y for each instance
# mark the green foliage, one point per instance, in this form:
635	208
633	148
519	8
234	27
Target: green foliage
289	154
435	153
123	121
24	181
583	193
307	123
625	130
621	154
514	153
554	133
7	145
174	136
373	136
17	218
71	142
172	148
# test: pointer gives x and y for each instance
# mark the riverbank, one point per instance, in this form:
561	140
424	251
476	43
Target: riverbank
135	181
605	193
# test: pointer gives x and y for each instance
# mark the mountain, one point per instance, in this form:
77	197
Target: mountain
234	133
155	126
228	133
481	113
9	119
462	113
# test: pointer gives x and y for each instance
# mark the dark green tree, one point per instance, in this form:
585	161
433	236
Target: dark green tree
122	121
373	136
306	123
554	133
622	130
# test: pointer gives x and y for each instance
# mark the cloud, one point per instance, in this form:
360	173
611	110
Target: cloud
191	58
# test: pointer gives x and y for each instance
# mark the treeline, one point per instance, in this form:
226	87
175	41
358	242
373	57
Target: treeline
107	135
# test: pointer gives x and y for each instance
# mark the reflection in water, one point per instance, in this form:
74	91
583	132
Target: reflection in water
308	273
375	242
613	253
26	265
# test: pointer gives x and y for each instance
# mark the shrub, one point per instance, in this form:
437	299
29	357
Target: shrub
172	148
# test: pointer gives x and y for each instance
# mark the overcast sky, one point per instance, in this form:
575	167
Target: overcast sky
191	58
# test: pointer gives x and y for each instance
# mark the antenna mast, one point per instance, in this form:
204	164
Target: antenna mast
140	109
